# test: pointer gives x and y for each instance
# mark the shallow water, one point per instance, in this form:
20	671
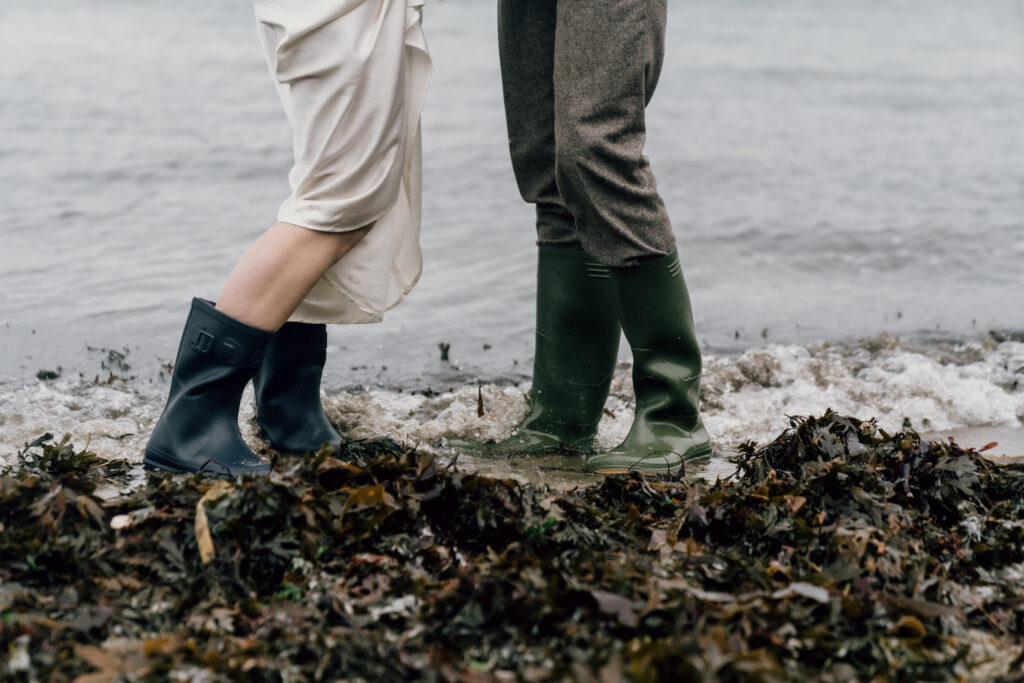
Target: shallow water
834	170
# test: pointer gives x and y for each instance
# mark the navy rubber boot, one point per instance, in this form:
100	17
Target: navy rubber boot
288	408
198	430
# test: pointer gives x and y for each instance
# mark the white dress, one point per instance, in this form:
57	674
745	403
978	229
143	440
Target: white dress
352	75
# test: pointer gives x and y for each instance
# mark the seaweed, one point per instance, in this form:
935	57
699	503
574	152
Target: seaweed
837	552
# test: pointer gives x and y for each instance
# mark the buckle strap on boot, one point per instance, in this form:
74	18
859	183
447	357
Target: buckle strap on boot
225	349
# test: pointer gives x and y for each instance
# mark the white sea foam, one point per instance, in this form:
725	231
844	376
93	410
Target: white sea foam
938	388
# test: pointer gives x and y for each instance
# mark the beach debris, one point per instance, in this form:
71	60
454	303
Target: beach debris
1000	336
112	359
838	552
203	537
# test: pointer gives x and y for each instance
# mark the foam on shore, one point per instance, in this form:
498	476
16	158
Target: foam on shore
939	388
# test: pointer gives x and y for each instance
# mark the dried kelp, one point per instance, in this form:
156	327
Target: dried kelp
838	552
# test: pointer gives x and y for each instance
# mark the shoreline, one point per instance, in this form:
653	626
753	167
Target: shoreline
973	392
416	370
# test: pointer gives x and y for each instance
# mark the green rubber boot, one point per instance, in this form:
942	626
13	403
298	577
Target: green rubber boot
667	431
576	346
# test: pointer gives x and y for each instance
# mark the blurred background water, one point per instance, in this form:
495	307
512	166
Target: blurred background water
833	169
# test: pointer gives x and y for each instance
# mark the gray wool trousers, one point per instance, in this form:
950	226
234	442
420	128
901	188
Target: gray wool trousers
577	76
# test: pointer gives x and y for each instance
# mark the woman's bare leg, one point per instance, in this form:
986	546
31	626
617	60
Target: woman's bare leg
276	273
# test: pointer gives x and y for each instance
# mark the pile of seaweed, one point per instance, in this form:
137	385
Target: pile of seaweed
838	552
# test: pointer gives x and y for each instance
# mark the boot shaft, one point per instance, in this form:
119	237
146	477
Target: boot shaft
577	340
654	307
216	348
295	356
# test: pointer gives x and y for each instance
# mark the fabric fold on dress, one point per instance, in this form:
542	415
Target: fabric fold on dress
352	76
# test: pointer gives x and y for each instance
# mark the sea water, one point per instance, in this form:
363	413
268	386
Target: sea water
846	182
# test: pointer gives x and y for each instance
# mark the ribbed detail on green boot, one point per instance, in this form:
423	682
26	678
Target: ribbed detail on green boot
654	308
576	346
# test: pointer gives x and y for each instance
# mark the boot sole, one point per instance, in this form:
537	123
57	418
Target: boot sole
702	454
334	446
155	461
505	449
